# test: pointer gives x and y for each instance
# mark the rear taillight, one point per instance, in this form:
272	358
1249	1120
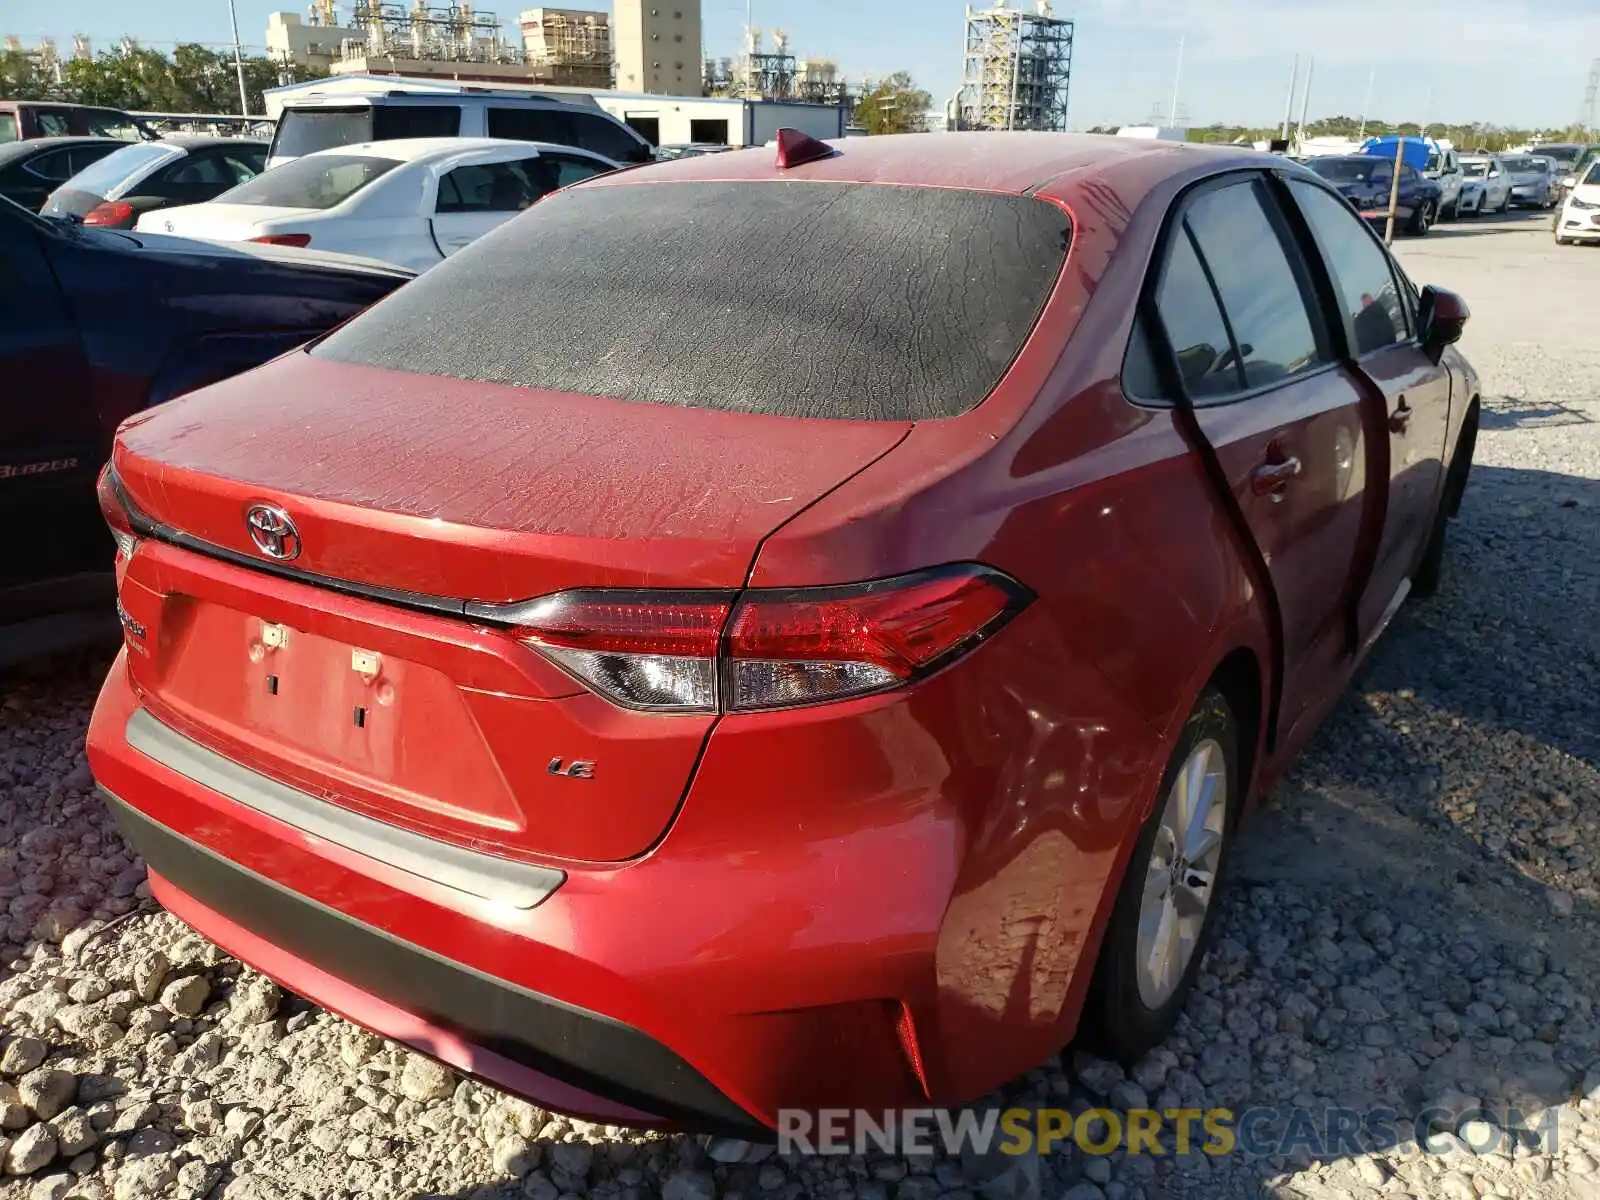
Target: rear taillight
110	212
711	651
116	514
282	239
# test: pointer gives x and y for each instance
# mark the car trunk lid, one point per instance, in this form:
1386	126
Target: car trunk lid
222	222
351	670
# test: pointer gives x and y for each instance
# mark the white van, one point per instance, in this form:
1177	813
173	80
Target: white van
310	123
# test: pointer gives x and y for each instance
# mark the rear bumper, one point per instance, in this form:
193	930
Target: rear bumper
566	1057
728	974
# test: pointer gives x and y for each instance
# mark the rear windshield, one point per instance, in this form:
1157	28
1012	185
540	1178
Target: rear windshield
118	169
864	302
105	122
1350	170
307	130
1561	154
320	181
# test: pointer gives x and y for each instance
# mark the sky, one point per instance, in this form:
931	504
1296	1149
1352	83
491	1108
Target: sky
1520	63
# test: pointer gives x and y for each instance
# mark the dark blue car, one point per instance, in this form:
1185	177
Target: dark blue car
94	326
1366	181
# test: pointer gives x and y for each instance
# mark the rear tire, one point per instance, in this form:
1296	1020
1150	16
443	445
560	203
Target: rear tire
1137	993
1421	220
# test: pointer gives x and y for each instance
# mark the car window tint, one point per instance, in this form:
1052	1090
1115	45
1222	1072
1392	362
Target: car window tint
206	169
55	166
531	125
606	138
245	164
566	169
53	124
393	121
112	125
1258	276
84	157
1360	268
1141	378
487	187
1193	321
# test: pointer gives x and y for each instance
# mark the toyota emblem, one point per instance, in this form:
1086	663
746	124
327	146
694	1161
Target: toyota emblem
273	531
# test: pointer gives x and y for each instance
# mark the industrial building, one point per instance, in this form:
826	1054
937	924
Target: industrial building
646	47
775	74
1017	70
657	46
568	46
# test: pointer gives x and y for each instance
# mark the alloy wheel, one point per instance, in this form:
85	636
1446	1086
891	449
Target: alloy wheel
1182	872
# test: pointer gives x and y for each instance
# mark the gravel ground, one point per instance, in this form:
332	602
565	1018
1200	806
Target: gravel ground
1411	926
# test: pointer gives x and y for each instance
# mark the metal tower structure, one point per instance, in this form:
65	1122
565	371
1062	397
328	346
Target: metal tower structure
1017	70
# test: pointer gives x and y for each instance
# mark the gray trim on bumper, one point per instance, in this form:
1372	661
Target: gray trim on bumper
486	876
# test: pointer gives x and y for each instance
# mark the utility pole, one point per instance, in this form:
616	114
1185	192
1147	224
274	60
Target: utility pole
238	61
1305	98
1366	105
1177	80
1288	105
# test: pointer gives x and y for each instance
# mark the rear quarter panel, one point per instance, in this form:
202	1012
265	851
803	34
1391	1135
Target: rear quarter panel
1104	510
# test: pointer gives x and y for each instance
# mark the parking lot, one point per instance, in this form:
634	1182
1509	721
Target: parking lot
1411	922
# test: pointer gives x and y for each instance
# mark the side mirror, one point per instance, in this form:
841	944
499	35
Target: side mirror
1441	318
1571	181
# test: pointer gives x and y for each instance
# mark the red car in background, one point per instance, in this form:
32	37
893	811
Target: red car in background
759	634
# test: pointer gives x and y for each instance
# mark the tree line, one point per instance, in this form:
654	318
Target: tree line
192	79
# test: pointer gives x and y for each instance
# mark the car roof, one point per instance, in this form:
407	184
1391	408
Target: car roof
14	104
426	149
28	147
199	141
1014	162
438	95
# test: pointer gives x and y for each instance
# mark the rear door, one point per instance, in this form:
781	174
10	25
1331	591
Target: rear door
1380	331
1282	419
50	440
476	197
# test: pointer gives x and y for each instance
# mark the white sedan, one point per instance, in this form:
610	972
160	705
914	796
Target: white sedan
1579	219
412	202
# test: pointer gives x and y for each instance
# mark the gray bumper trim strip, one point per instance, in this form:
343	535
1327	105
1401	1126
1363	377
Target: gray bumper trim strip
486	876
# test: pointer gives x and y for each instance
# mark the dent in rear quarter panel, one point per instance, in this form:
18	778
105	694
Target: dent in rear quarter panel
1058	738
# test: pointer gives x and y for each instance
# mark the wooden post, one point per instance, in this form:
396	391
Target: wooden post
1394	188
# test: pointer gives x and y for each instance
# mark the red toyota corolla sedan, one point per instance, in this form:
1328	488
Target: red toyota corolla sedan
780	630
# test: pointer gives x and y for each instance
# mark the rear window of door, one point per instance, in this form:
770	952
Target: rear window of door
486	188
53	123
1265	290
853	301
1362	277
563	170
54	167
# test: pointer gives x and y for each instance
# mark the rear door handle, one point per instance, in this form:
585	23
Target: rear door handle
1271	478
1401	417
